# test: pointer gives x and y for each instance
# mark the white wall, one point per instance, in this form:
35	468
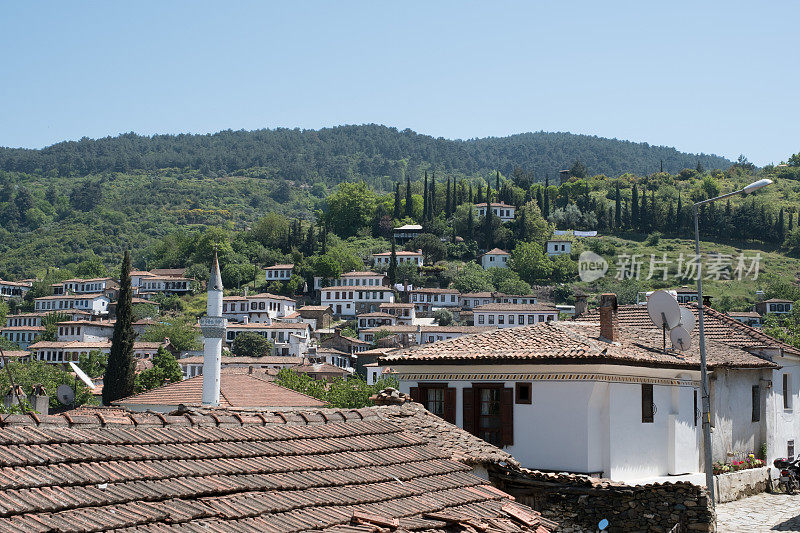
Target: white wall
783	424
733	431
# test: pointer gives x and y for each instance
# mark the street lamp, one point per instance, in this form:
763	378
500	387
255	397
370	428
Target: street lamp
703	369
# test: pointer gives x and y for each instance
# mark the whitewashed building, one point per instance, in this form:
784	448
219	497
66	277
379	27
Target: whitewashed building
289	338
427	300
501	210
357	292
495	258
372	320
471	300
83	286
558	247
513	315
262	307
404	313
96	304
151	285
279	272
85	330
24	336
403	234
403	256
777	306
62	352
421	334
582	397
14	289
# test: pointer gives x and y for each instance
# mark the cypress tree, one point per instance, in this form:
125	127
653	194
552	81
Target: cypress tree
432	204
653	211
643	213
397	201
120	373
471	223
791	221
634	206
539	199
523	225
487	223
448	202
488	194
497	181
425	198
479	196
546	209
617	208
780	226
392	272
679	214
310	240
409	201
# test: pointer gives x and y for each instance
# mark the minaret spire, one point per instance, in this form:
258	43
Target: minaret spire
213	326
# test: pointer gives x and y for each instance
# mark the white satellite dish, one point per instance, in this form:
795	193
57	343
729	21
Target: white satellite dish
681	340
81	374
65	394
687	319
664	310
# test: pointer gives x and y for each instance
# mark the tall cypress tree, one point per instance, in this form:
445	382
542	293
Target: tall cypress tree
409	200
488	233
392	271
479	198
791	221
425	206
397	210
617	208
488	194
780	227
635	207
432	203
497	181
539	198
470	198
471	224
121	370
643	213
310	240
679	214
447	202
546	209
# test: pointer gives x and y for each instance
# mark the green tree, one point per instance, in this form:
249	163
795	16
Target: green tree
443	317
433	249
250	344
397	211
179	330
392	271
350	208
472	278
94	364
529	261
118	381
409	201
26	375
166	369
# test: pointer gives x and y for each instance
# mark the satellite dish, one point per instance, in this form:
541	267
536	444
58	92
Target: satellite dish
681	340
662	306
82	375
687	319
65	394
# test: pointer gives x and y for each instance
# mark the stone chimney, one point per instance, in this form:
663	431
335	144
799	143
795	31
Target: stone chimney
580	304
609	327
390	396
706	300
39	400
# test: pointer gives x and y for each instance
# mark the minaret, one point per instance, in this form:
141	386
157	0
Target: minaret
213	327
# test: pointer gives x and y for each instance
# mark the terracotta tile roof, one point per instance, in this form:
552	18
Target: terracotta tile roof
399	253
496	251
71	297
511	308
573	342
744	314
273	325
23	328
718	326
236	390
323	368
397	305
11	354
495	204
776	301
169	272
401	328
96	323
266	295
363	273
233	360
375	314
78	345
271	471
280	267
434	290
16	283
479	294
356	288
315	308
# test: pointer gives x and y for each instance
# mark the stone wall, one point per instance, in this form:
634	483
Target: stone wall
735	485
579	503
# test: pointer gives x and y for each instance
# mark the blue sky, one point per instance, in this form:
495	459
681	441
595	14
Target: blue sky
714	77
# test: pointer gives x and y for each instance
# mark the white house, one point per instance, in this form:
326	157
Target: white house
372	320
685	295
164	284
405	313
85	330
279	272
559	247
193	366
357	292
96	304
24	336
403	234
35	319
582	397
427	300
289	338
513	315
422	334
751	318
14	289
262	307
62	352
501	210
403	256
471	300
495	258
777	306
83	286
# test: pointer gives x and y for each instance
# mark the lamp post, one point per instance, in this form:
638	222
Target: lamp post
703	368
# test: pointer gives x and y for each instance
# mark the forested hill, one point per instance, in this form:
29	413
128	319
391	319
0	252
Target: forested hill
331	155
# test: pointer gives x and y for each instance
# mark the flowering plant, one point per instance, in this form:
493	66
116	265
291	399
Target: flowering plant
749	461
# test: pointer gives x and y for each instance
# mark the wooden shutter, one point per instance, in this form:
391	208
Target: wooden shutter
416	395
507	415
647	403
469	410
450	405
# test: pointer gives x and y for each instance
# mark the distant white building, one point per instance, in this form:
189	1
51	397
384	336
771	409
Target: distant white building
263	307
513	315
427	300
383	259
501	210
774	305
164	284
559	247
356	292
14	289
96	304
403	234
495	258
85	330
62	352
279	272
378	318
83	286
405	313
422	334
474	299
24	336
289	338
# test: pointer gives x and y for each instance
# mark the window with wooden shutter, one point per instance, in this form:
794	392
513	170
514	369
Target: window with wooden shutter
647	403
450	405
756	401
468	409
507	415
415	394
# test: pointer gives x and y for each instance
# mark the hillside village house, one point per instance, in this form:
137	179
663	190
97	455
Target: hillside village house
372	320
353	279
14	289
290	339
62	352
193	365
402	256
501	210
84	286
427	300
331	356
513	315
405	313
558	247
164	284
85	330
96	304
750	318
406	233
421	333
686	295
774	305
263	307
22	335
598	397
316	316
357	292
470	300
35	319
495	258
349	345
279	272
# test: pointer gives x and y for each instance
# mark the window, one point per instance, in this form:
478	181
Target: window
489	422
530	319
790	450
437	398
696	412
489	413
480	319
787	391
756	401
501	319
510	319
648	407
524	393
491	319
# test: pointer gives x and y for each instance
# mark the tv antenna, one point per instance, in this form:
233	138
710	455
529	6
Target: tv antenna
665	313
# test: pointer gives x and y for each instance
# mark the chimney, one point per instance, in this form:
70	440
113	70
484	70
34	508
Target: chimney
706	300
609	328
39	400
580	304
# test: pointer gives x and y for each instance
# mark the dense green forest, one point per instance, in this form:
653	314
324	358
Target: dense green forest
377	154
